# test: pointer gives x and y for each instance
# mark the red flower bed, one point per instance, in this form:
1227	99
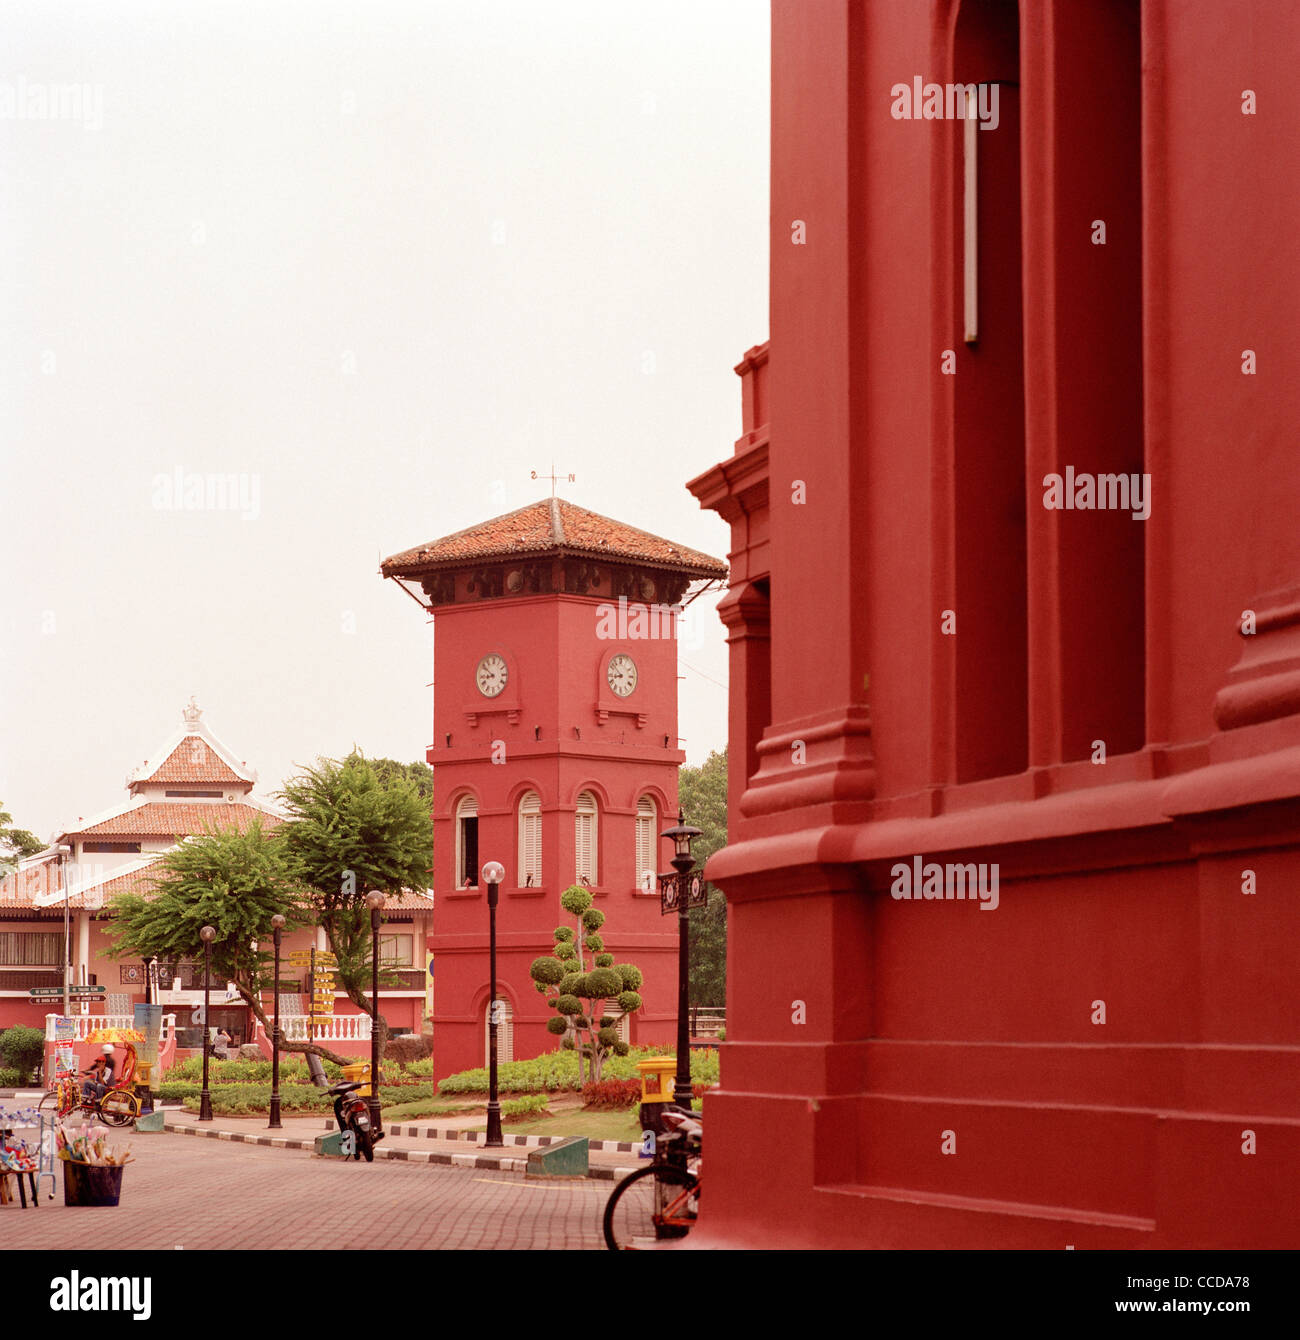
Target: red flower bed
612	1093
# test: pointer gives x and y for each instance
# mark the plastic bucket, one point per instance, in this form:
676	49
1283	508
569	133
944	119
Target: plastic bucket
85	1184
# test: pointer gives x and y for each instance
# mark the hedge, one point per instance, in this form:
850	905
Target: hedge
293	1070
558	1070
233	1099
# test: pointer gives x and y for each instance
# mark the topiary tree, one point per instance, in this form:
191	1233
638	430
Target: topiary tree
568	981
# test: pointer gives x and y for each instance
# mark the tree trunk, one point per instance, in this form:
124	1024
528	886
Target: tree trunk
251	1001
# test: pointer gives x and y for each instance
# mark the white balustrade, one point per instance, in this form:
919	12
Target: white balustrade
329	1028
88	1023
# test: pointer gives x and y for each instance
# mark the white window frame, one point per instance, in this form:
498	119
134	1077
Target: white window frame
647	843
391	949
505	1033
466	808
530	840
586	840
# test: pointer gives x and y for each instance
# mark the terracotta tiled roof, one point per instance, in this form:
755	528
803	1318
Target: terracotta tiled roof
552	526
168	818
45	880
409	901
20	887
194	760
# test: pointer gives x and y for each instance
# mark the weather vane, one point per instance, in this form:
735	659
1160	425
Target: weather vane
554	478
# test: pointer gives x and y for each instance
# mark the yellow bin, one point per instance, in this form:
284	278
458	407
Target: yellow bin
657	1079
358	1072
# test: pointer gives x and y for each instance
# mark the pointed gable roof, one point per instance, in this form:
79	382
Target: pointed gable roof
192	757
552	526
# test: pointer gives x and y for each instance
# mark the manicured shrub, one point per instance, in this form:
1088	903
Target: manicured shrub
548	971
11	1078
594	943
21	1049
569	1005
557	1026
593	918
630	974
629	1001
604	960
525	1108
575	899
563	934
408	1049
602	982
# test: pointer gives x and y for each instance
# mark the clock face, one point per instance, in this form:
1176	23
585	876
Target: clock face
621	675
491	675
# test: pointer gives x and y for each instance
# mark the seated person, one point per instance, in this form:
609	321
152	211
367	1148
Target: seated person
221	1045
102	1072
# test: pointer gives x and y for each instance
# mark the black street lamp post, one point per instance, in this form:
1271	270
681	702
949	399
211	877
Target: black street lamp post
375	902
277	925
493	873
207	935
686	893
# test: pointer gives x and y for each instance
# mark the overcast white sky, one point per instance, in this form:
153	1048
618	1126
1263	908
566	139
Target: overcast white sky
383	259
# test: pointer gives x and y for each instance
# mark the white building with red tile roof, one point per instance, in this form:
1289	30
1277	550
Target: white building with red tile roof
58	901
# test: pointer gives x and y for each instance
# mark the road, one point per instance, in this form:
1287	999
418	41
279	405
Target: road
201	1194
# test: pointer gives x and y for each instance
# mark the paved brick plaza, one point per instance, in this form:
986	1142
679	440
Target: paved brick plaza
198	1194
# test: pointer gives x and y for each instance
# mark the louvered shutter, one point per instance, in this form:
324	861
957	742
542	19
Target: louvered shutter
465	810
645	841
585	837
624	1026
505	1033
530	839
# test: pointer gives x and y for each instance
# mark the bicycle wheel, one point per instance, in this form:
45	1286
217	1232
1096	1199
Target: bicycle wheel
50	1105
637	1207
119	1108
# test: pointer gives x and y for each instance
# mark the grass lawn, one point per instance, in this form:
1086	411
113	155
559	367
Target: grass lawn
593	1124
428	1107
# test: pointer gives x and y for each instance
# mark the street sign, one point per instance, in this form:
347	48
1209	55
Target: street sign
56	992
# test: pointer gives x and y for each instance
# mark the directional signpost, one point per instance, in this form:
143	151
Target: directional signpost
56	992
322	964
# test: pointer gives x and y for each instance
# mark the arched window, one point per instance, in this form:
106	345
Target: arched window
505	1033
647	848
585	838
530	841
467	843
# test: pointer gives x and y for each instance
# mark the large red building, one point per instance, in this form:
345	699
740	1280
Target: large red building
1015	615
555	753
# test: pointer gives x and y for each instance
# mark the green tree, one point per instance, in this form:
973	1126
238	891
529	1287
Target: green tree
235	882
565	977
349	833
702	794
15	843
389	770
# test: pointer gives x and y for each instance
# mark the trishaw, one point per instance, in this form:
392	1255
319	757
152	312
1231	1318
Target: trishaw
119	1106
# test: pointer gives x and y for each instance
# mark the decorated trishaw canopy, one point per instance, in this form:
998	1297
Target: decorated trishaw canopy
115	1035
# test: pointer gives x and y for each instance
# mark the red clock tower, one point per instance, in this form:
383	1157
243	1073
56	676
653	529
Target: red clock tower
554	753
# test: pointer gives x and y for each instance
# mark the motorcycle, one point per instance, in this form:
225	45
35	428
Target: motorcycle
351	1112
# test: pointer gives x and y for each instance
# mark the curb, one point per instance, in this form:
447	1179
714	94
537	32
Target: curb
535	1141
496	1162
